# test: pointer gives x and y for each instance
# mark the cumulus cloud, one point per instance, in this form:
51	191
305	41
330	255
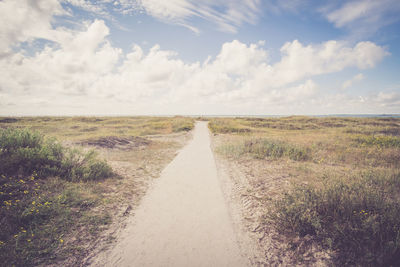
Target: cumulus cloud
81	70
87	66
355	79
25	20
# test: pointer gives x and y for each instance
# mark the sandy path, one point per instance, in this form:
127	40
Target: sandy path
183	220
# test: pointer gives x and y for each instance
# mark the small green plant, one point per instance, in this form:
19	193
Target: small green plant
36	213
261	148
36	210
178	126
227	126
24	152
380	141
359	217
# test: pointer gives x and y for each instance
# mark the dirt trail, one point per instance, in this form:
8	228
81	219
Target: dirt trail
183	220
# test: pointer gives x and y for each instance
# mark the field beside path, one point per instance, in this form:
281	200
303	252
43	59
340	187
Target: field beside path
315	191
68	184
299	191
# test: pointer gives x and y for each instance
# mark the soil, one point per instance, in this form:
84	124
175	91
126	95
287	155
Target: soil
251	185
117	142
136	168
183	220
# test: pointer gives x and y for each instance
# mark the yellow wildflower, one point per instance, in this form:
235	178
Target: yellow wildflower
61	241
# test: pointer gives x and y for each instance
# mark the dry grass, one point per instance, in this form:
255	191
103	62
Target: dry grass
80	128
352	166
62	221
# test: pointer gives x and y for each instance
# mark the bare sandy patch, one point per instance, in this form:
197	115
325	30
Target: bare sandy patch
252	185
137	163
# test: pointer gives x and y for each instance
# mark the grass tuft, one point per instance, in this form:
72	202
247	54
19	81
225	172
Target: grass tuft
23	152
359	217
262	148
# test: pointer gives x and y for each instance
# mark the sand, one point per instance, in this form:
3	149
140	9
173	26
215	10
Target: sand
183	220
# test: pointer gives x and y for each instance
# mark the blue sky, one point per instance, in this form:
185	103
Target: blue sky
155	57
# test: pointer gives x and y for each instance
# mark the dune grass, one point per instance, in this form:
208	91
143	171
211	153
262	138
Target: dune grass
52	197
344	180
78	128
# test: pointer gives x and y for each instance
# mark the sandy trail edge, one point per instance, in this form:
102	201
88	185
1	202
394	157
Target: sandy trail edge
183	220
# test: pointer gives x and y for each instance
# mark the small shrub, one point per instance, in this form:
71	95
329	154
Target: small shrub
24	152
77	166
262	148
182	126
358	217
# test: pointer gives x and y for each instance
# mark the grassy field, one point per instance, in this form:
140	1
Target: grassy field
80	128
333	180
63	179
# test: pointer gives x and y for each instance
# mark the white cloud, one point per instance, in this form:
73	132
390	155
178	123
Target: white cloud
355	79
391	99
81	72
228	15
364	17
25	20
87	69
299	62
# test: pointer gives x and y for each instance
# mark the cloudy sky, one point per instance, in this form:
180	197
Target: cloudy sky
152	57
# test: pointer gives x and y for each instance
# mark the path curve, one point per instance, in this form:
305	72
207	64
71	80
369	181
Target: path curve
183	220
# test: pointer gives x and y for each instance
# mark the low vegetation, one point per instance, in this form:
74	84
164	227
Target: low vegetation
53	197
357	216
80	128
36	210
23	152
344	181
262	148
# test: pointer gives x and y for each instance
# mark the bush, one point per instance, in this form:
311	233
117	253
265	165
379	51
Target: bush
24	152
182	126
262	148
77	166
359	217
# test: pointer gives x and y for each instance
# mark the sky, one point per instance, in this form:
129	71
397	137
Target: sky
199	57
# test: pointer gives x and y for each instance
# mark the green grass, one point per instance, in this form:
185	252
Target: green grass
23	152
379	141
342	187
36	210
262	148
54	200
79	128
358	217
38	214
